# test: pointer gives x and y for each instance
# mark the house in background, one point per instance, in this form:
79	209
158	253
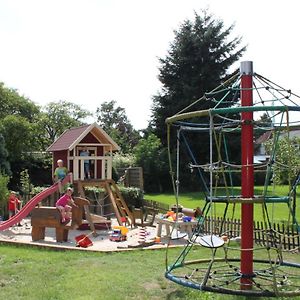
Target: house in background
260	152
100	146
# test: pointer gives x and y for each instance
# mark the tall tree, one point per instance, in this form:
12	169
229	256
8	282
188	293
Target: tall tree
197	61
114	121
12	103
59	116
152	157
19	137
4	163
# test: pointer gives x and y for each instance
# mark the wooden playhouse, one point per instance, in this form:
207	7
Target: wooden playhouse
100	146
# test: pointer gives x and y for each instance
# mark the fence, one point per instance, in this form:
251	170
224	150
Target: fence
275	235
162	207
132	177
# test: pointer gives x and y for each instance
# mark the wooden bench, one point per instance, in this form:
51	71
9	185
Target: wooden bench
42	217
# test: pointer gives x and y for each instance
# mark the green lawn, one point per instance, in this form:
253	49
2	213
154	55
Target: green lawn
278	212
30	273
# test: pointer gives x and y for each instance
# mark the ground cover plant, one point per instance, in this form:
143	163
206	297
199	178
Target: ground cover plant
33	273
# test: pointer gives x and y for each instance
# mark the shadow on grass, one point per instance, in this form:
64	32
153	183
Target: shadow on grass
177	294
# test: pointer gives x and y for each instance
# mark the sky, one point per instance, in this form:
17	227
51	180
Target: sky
91	51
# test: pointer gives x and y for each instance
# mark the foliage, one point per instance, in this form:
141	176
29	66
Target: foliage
19	137
132	195
123	160
26	186
12	103
59	116
37	189
152	157
20	131
287	158
198	61
4	179
4	163
114	121
26	131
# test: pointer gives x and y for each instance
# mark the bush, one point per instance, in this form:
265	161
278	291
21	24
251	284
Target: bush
153	158
4	179
123	161
133	196
287	157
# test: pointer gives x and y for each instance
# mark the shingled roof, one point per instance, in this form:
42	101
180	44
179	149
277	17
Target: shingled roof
71	137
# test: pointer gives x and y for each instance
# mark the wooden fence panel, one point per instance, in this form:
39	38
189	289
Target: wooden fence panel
276	235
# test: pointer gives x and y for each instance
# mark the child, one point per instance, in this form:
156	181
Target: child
60	173
13	203
85	152
63	205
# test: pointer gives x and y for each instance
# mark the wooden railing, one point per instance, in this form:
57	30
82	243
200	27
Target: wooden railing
78	166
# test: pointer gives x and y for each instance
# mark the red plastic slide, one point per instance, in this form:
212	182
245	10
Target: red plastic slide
30	205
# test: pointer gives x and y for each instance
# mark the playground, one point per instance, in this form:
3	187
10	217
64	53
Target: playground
203	251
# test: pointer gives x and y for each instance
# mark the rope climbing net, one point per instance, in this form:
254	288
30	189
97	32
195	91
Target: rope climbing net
275	111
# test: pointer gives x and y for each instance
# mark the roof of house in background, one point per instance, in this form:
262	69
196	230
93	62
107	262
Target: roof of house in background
71	137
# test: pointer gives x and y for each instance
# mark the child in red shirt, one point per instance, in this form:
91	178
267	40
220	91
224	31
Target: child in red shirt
13	203
63	205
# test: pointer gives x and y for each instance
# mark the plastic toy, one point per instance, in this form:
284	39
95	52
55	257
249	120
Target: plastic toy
83	241
117	235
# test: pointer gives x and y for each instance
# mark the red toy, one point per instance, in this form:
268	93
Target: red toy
117	236
83	241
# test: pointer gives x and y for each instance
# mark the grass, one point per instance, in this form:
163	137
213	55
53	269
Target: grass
278	212
30	273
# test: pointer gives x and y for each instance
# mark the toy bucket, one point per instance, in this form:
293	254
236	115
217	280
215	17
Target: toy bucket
83	241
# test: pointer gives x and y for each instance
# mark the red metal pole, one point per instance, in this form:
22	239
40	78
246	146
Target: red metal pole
247	180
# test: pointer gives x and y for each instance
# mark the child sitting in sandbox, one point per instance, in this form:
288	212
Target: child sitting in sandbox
63	204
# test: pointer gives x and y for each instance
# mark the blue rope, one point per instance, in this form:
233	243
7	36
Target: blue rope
195	162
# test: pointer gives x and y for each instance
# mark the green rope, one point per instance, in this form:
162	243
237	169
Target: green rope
203	97
289	163
228	92
272	159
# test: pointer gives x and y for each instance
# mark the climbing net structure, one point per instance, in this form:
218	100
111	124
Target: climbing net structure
251	109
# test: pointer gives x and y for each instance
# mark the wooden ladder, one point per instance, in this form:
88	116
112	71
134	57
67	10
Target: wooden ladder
86	209
120	207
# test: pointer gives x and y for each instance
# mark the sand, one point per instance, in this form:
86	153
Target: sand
22	235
